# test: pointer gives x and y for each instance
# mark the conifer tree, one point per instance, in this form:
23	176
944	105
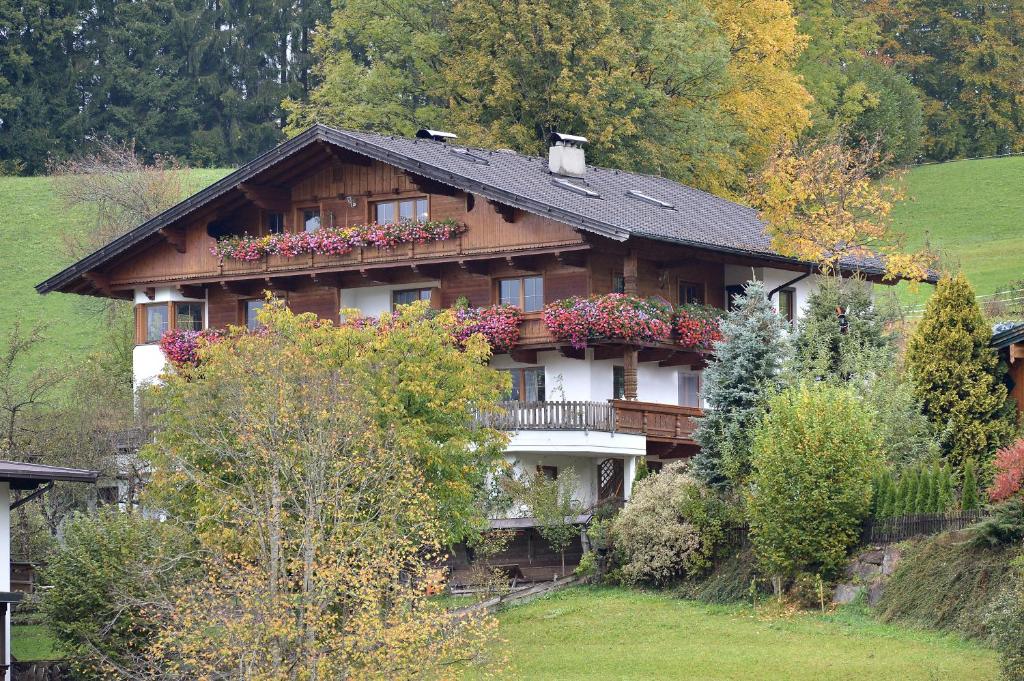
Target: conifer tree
920	491
904	500
934	482
969	500
946	490
889	509
957	376
737	384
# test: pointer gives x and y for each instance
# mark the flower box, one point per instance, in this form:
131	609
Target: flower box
499	324
580	321
697	326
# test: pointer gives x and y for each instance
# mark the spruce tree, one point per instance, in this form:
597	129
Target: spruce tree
969	492
957	376
743	374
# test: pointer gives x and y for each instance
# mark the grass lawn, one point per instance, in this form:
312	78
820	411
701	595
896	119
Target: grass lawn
972	212
32	642
31	222
588	633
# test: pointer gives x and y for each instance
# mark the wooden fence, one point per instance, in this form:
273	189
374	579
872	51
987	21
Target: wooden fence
552	416
889	530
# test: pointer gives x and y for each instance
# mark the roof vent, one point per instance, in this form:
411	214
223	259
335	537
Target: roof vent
469	156
573	187
436	135
565	157
649	199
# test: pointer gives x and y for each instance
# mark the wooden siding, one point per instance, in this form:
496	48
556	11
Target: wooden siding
326	186
1016	374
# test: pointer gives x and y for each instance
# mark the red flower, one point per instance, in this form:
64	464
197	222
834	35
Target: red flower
180	346
697	326
499	324
612	316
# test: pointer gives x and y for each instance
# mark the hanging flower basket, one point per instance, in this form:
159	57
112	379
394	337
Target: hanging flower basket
697	326
579	321
499	324
335	241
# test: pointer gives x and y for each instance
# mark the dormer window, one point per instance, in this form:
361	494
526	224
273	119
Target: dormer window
401	210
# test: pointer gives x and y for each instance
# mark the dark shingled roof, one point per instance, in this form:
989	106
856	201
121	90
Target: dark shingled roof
1006	334
696	218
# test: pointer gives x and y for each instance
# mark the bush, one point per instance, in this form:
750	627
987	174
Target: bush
102	580
1006	623
1009	469
1004	527
669	530
810	591
815	454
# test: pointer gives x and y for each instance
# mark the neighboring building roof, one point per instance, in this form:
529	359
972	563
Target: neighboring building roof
612	203
28	475
1006	334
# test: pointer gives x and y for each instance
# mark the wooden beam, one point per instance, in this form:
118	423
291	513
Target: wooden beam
523	355
175	236
279	284
683	358
346	157
576	259
479	267
266	196
655	354
327	279
508	213
572	353
429	186
629	360
191	291
607	352
379	276
1016	351
237	288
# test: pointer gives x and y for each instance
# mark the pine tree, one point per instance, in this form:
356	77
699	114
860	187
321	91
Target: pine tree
969	500
957	376
743	374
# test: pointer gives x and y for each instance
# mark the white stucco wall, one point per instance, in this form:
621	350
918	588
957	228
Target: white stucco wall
372	301
148	360
739	275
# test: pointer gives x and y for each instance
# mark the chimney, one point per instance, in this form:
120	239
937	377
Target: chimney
565	157
436	135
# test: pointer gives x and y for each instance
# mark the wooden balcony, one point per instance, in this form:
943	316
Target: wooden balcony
668	428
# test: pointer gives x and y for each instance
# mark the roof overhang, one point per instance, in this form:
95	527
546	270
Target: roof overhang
24	476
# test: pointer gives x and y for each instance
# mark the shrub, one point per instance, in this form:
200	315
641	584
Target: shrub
1005	621
809	591
814	457
1009	469
102	579
669	529
958	377
1004	527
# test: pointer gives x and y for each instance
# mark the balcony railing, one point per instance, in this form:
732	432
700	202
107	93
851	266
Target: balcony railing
566	415
659	422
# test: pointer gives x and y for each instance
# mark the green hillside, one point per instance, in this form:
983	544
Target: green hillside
972	212
32	220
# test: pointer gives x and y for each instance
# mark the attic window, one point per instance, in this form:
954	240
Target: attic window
579	189
646	198
467	155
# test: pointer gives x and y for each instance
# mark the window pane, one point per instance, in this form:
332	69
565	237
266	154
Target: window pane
533	382
422	210
311	219
385	213
618	283
618	382
786	305
508	291
410	296
157	317
691	294
251	308
188	316
275	223
689	389
533	299
406	210
514	393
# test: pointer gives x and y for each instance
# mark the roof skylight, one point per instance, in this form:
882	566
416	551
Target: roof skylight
469	156
573	187
649	199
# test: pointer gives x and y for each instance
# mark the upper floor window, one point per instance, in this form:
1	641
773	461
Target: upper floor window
618	282
689	389
188	316
409	296
527	384
311	219
526	293
275	223
158	317
401	210
252	308
691	293
787	304
618	382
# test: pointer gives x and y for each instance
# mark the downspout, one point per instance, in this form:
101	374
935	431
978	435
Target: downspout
789	283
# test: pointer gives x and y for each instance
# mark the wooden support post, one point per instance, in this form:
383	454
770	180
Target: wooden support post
630	274
629	361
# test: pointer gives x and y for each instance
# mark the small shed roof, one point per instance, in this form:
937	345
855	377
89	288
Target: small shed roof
23	475
1005	335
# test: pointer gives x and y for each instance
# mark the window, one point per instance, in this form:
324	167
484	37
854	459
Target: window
188	316
690	293
526	293
618	382
549	472
618	283
252	307
387	212
527	384
311	219
731	294
275	223
157	321
409	296
787	304
689	389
